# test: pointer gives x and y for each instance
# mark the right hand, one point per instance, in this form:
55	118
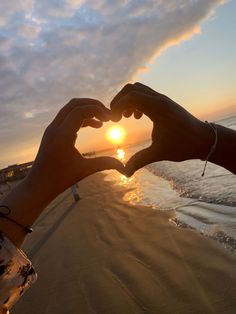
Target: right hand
177	135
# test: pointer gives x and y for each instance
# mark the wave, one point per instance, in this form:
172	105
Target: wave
218	187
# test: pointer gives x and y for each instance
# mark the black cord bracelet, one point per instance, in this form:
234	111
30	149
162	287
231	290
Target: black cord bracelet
213	147
5	215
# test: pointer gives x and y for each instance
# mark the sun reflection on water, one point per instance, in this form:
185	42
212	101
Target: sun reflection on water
131	184
124	180
134	193
120	154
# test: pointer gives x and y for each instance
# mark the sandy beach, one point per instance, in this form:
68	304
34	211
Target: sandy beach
103	255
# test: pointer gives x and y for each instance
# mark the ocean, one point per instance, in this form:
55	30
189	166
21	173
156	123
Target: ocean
206	204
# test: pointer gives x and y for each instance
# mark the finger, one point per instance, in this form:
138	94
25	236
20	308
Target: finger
76	117
104	163
128	113
146	88
92	123
139	160
138	114
125	90
133	100
72	104
138	87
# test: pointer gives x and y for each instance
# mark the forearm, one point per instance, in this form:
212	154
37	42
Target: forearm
225	153
26	204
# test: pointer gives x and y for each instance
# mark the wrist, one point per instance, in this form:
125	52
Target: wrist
225	152
205	140
26	202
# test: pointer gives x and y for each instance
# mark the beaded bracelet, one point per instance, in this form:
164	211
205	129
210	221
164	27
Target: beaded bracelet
213	148
5	215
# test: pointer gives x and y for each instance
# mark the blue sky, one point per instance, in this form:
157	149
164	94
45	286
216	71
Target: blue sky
201	73
52	51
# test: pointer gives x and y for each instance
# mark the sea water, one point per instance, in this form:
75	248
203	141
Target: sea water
207	204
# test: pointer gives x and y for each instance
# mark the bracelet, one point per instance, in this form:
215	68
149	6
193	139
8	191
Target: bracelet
213	148
5	215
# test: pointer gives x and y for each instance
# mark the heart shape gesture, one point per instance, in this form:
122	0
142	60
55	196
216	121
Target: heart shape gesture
59	164
176	134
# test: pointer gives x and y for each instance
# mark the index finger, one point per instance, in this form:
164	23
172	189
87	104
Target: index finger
71	105
128	88
78	115
133	101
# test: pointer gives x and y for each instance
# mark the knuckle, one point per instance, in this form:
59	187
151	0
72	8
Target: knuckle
164	100
96	102
73	100
162	96
127	87
70	104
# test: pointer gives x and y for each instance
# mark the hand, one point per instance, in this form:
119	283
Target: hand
59	164
176	135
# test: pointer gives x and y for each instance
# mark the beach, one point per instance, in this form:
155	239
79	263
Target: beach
106	255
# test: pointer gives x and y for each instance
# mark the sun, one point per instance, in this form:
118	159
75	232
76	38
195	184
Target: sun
116	134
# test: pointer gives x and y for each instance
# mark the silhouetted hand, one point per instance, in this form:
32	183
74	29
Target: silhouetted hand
176	135
59	164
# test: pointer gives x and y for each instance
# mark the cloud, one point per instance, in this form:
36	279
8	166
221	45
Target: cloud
51	51
33	113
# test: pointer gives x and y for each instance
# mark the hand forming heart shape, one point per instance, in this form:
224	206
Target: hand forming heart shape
176	134
59	164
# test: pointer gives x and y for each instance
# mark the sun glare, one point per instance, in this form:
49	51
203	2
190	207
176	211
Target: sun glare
116	134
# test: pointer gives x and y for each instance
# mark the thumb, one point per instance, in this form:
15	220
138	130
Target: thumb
139	160
104	163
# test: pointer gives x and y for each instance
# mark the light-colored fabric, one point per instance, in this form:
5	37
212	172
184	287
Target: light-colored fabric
16	274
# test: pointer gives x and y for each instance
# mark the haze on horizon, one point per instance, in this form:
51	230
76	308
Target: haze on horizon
52	51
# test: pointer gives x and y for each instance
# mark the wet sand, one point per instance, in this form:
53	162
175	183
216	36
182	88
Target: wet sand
102	255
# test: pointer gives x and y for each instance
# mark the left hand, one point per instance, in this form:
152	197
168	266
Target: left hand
59	164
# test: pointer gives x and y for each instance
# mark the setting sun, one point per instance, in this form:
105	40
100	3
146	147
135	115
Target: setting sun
116	134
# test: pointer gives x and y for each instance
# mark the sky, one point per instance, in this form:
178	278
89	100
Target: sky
52	51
